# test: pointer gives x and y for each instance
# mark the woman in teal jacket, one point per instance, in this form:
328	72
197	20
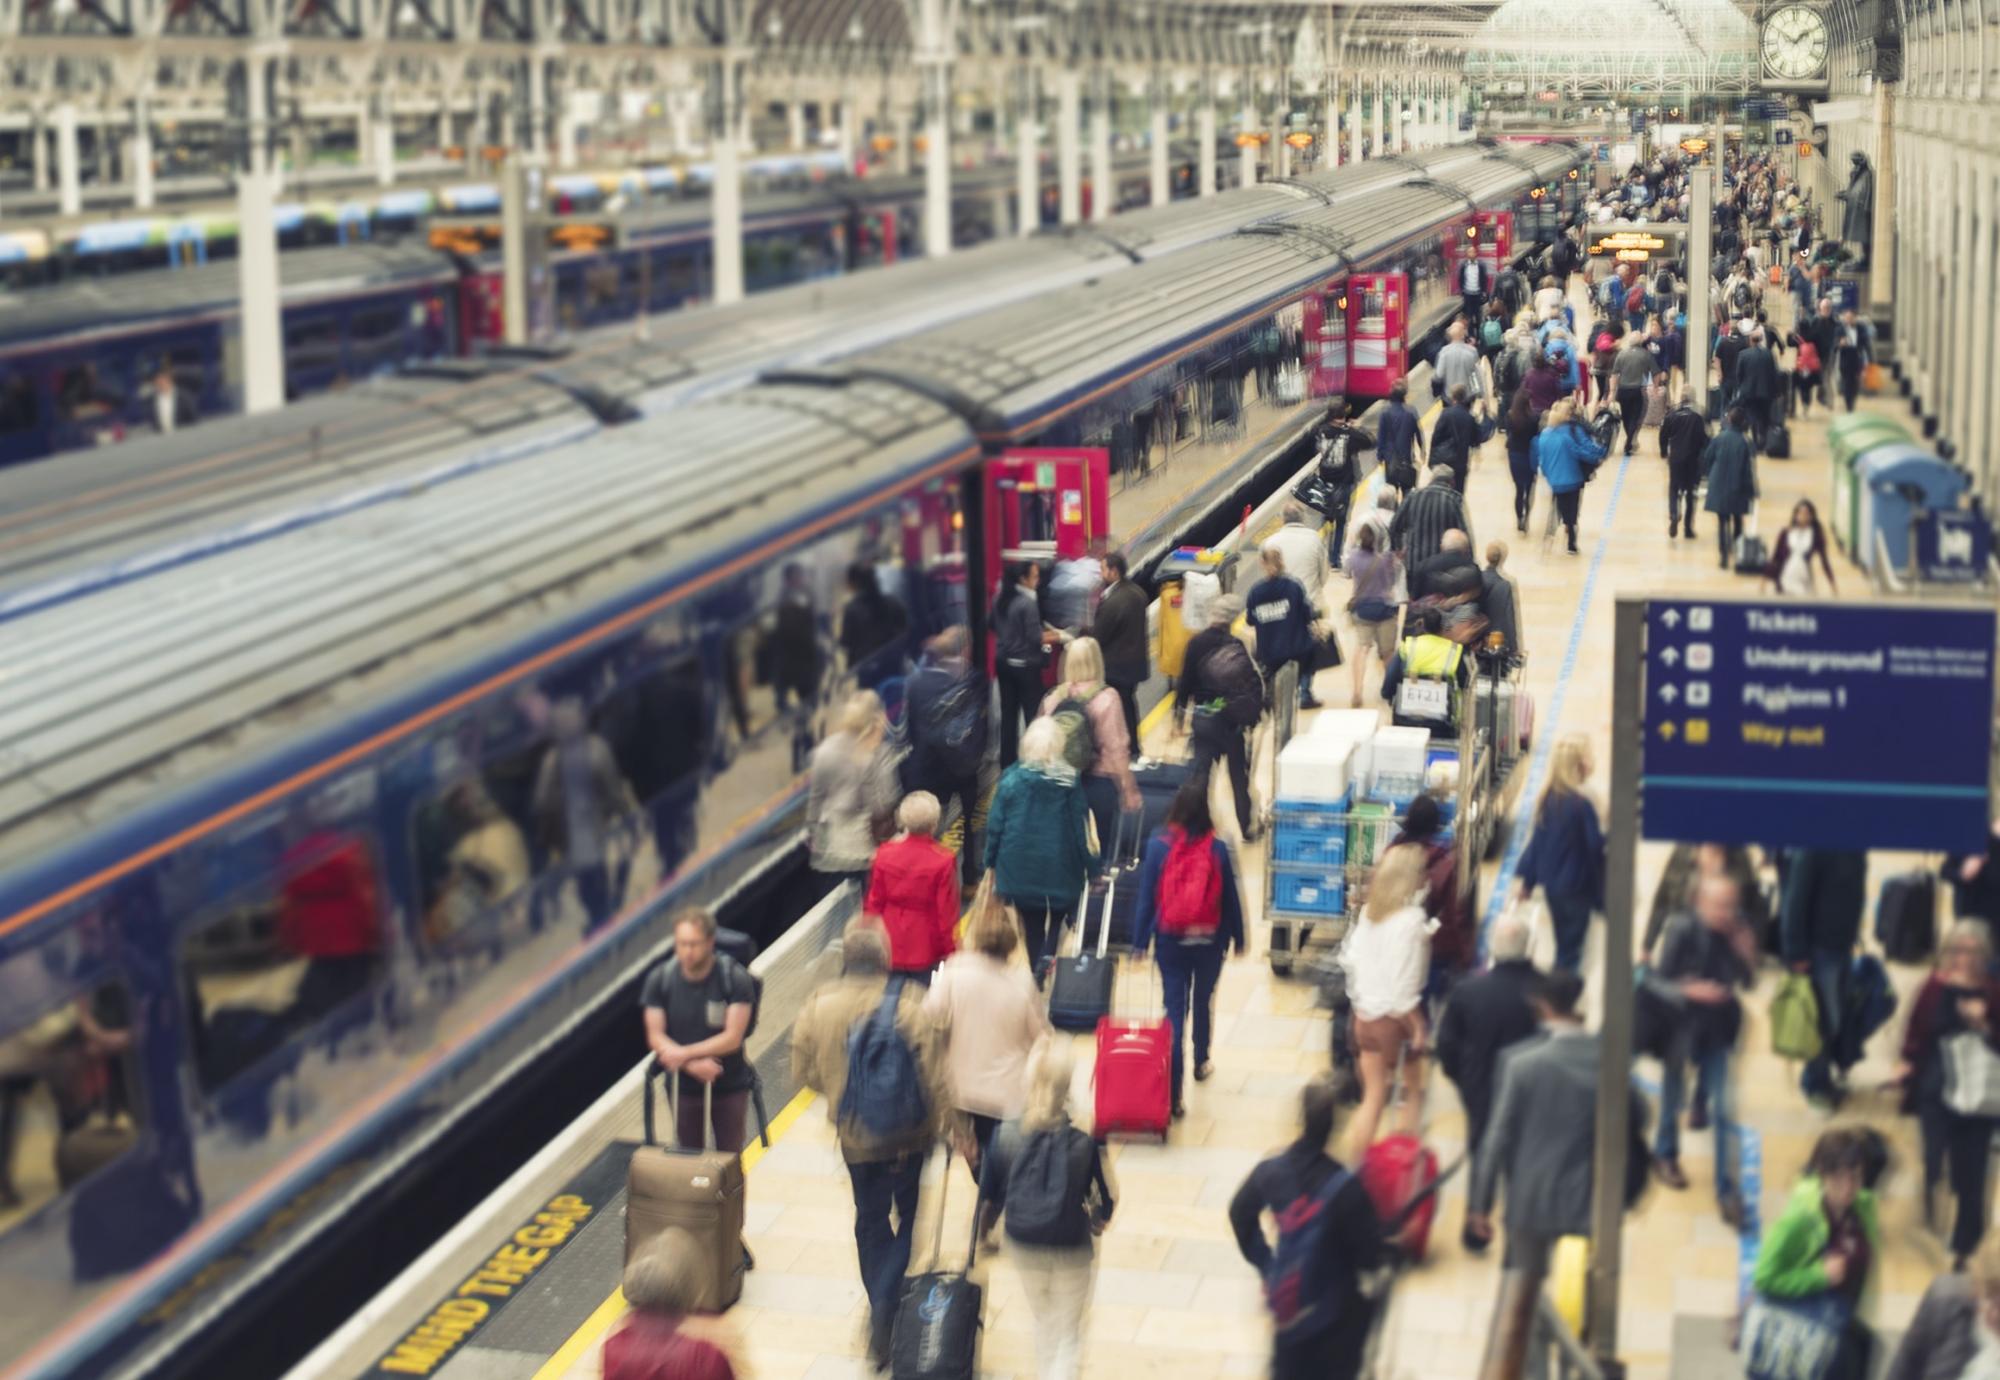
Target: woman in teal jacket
1566	454
1038	840
1819	1251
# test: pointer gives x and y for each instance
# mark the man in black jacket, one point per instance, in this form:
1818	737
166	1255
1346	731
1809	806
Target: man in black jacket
1759	384
1486	1014
1305	1189
1340	445
1819	922
939	703
1456	436
1728	349
1220	688
1451	572
1422	519
1823	330
1120	630
1683	437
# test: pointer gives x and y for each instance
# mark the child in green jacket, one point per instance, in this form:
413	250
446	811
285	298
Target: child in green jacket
1825	1240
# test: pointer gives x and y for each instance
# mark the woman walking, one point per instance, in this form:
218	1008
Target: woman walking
1522	427
1566	454
1376	601
1190	912
851	790
1108	783
1387	956
1790	570
1038	841
1565	855
1954	1021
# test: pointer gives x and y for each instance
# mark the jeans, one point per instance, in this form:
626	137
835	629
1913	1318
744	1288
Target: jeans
1714	1069
593	893
1058	1281
1189	973
1569	916
1683	488
1850	387
1020	696
1829	979
1232	749
1336	521
1042	924
1128	700
1960	1144
1632	412
1101	794
1334	1354
1728	527
1758	410
1305	665
1568	507
885	1213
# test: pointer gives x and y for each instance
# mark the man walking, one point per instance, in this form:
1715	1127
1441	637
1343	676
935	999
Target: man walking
884	1140
1683	438
1455	435
1457	364
1425	516
1486	1015
1120	630
1819	921
1731	469
1632	369
1759	385
1223	692
1340	446
948	718
1854	350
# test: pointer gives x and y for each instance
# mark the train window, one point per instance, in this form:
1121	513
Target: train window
299	947
312	345
20	410
68	1101
657	724
375	337
474	869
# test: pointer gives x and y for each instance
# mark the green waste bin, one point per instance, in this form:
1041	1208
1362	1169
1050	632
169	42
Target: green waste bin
1850	436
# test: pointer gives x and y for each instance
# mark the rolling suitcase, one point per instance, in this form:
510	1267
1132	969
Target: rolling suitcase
699	1191
1778	441
1906	917
936	1333
1132	1083
1080	985
1159	783
1398	1173
1750	556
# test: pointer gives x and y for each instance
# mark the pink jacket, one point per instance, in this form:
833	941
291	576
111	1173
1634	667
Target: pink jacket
1107	726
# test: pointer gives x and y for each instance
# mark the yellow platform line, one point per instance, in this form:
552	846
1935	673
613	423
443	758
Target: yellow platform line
613	1308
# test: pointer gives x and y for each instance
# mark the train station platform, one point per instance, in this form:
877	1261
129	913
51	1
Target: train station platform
1173	1299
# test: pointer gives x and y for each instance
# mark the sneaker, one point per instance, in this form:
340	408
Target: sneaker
1308	701
1669	1173
1142	762
1204	1071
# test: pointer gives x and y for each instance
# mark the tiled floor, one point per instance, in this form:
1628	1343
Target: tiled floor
1173	1298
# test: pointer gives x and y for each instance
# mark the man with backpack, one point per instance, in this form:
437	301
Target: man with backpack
1329	1241
1340	445
864	1045
698	1008
1222	692
947	706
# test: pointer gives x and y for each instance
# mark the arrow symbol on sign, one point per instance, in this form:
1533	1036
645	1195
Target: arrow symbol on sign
1669	694
1667	730
1672	618
1670	656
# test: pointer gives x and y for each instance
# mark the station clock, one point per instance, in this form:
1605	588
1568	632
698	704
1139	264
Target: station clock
1795	44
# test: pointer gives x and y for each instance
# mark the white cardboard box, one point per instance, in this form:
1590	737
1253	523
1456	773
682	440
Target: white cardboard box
1318	769
1399	752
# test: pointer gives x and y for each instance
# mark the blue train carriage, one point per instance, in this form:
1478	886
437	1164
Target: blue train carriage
295	877
78	360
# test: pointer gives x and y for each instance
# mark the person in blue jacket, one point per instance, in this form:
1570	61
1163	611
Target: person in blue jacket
1565	855
1566	453
1282	614
1189	944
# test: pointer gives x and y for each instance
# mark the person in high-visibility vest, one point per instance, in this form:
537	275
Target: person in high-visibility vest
1427	655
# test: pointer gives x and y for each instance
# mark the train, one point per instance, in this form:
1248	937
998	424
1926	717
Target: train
295	876
80	361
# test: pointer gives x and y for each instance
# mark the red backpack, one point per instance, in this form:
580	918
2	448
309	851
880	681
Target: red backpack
1808	357
1635	300
1190	887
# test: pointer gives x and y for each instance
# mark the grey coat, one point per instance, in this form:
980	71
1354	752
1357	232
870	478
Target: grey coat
1543	1135
1942	1339
1732	474
846	795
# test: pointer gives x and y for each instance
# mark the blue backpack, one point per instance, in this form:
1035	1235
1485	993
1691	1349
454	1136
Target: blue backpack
1869	1001
1298	1286
884	1095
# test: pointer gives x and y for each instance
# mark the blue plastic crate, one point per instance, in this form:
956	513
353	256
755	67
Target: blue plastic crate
1310	892
1313	814
1291	843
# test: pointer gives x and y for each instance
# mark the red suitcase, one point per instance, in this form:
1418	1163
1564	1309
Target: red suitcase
1132	1077
1395	1172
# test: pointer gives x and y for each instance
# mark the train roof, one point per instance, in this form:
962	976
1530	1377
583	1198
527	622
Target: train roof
42	315
140	691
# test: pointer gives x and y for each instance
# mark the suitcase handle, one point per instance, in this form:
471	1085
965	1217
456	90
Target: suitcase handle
656	1070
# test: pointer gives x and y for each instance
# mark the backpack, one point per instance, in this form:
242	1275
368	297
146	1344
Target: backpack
1296	1286
1190	887
1046	1189
1233	676
1635	300
1513	370
1491	332
1808	361
955	726
1869	1002
884	1095
1739	299
1072	716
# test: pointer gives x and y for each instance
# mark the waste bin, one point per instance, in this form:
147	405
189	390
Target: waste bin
1171	574
1889	477
1850	436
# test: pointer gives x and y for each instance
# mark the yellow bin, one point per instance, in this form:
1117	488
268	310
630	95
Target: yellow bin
1173	639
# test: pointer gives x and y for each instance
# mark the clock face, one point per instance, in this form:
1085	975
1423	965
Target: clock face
1795	43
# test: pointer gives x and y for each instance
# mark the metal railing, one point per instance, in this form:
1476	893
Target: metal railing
1554	1353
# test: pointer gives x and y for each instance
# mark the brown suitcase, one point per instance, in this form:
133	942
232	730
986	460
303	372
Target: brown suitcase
699	1191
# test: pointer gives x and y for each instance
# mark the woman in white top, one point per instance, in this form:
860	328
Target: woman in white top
991	1014
1387	956
1795	550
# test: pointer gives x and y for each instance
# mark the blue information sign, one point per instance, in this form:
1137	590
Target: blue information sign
1817	725
1954	545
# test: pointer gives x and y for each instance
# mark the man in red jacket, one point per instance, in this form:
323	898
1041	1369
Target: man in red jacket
913	887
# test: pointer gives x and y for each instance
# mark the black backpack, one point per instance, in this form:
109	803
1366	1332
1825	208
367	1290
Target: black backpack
1232	676
1048	1188
955	726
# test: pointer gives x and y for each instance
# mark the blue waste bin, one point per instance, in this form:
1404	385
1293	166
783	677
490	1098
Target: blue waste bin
1890	476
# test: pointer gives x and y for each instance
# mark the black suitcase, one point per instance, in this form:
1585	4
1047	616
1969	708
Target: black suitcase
1906	917
1778	441
938	1320
1115	906
1750	556
1159	783
1080	984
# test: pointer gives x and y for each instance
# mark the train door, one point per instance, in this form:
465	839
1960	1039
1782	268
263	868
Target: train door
934	552
1496	239
1378	337
1043	505
1326	338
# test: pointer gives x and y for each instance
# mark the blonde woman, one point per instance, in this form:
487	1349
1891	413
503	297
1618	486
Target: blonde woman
1108	783
1565	855
1051	1236
1388	958
851	789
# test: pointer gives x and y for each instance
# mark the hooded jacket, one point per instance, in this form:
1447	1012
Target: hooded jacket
1037	845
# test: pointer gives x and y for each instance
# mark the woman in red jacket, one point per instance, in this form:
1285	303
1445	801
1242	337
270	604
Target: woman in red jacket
658	1339
914	889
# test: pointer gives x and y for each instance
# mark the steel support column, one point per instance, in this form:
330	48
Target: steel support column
1102	191
140	160
1027	153
1157	141
262	334
935	48
726	195
69	166
1205	135
1247	155
1069	153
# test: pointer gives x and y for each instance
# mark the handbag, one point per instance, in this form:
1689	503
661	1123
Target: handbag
1373	610
1971	1075
1793	1339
